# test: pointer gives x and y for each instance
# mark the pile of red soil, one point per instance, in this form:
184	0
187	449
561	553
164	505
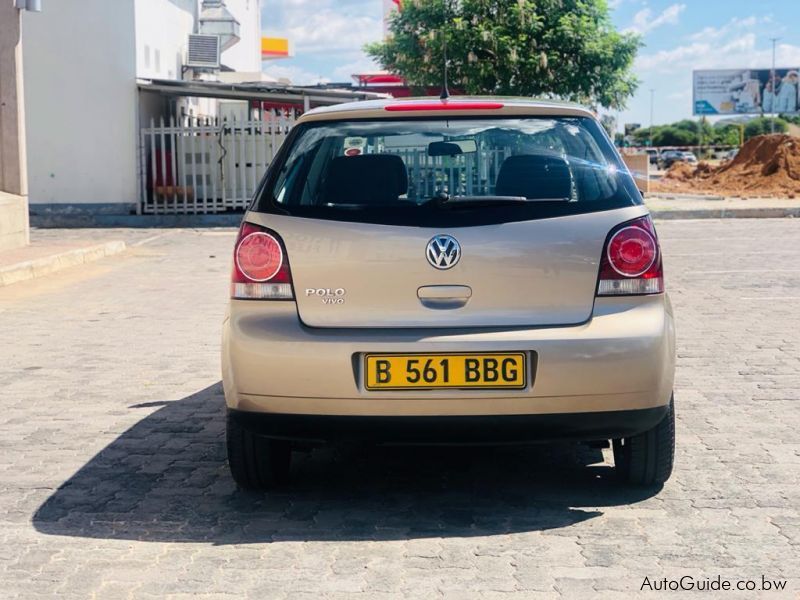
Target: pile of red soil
767	165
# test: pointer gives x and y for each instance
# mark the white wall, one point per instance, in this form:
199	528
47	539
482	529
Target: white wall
79	63
163	27
246	55
81	59
162	32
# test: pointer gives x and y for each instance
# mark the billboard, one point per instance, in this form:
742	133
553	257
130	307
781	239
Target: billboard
272	47
745	92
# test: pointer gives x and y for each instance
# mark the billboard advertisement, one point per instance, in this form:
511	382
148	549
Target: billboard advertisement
745	92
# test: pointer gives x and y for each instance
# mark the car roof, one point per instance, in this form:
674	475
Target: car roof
454	106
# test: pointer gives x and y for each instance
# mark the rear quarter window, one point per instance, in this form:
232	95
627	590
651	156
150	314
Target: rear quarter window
446	171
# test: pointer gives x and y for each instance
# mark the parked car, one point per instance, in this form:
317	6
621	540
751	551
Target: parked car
468	276
653	155
670	157
667	158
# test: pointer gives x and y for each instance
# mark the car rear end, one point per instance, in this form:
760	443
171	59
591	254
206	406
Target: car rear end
461	272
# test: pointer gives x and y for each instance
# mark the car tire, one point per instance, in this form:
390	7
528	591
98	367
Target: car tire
256	463
647	458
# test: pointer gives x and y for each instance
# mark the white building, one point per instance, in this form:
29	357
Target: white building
81	61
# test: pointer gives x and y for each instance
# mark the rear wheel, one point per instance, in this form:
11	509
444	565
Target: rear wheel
647	458
256	462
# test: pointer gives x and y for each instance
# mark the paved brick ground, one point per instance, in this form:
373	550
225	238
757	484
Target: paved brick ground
113	482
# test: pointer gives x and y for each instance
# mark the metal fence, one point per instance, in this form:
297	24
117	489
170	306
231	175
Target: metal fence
200	166
465	174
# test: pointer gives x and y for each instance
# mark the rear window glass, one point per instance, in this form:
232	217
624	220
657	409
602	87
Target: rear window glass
446	172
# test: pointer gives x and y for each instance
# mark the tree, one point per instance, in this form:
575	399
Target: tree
643	135
687	125
793	119
674	136
609	123
557	48
763	125
692	133
727	135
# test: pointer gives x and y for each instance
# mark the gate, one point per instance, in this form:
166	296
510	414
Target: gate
202	166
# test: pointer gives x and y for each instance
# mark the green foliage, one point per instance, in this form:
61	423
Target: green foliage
793	119
559	48
674	136
642	136
726	136
688	125
688	132
763	125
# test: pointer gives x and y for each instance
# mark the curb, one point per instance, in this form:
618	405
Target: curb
40	267
234	220
726	213
56	221
676	196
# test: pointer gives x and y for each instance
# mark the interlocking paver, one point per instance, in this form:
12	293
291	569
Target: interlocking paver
112	462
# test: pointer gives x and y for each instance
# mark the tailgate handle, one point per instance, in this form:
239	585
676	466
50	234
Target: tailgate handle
444	296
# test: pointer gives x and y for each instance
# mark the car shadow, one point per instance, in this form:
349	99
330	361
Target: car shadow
165	479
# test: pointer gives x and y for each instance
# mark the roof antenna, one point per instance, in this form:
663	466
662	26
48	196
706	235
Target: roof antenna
445	92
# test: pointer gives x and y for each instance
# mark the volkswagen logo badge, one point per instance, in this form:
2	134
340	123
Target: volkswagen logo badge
443	252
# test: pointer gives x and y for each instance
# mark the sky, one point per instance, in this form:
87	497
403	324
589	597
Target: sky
328	37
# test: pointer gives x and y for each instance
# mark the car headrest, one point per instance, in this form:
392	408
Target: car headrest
535	176
365	179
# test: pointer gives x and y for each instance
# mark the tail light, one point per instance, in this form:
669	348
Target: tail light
631	262
260	266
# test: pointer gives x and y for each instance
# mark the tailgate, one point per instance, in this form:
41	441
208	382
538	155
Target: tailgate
529	273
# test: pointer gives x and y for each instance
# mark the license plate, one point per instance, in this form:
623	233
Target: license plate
502	370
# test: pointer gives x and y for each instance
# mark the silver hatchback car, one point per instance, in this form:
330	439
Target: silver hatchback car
457	271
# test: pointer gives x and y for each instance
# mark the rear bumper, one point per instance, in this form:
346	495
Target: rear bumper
621	360
453	430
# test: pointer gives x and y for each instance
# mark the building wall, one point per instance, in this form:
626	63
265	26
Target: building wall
246	55
79	60
83	111
163	27
13	171
162	31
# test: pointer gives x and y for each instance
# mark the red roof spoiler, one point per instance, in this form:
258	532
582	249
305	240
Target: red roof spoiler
443	105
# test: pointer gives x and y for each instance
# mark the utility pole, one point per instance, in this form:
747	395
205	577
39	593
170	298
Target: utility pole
652	112
772	76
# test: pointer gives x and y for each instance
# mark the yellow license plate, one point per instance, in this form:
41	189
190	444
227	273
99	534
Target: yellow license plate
502	370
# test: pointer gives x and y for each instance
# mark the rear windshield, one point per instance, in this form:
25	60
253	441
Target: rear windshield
446	172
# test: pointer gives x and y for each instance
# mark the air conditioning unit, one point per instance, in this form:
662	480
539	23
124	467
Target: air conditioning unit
203	52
